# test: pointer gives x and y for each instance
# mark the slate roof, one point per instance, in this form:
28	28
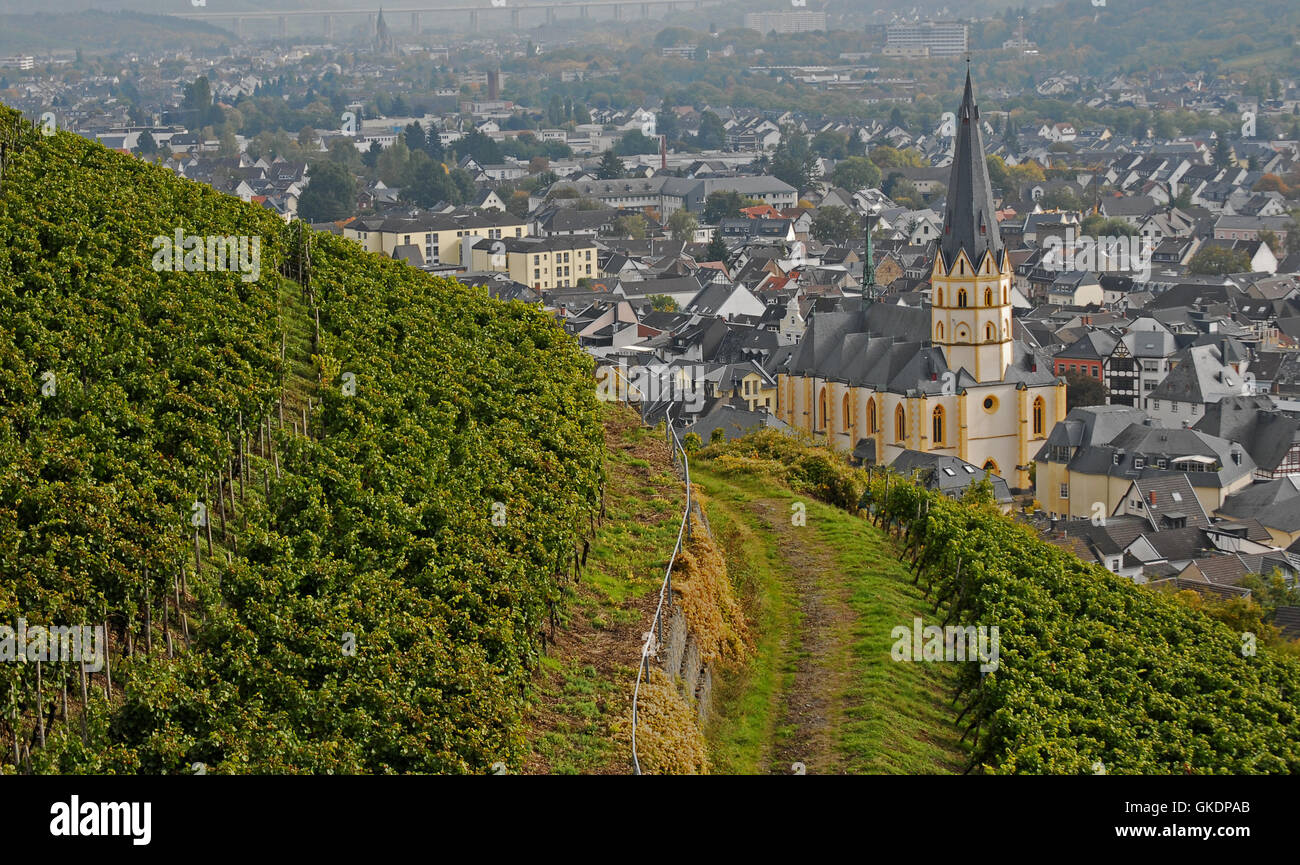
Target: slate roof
735	420
1166	497
1200	377
947	474
1266	434
1211	590
1274	503
1093	425
1119	457
970	221
1287	620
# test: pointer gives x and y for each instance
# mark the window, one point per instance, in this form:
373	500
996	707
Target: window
1173	408
1162	463
821	409
988	297
937	423
1139	462
1155	404
871	415
1065	491
939	331
900	423
1236	458
1038	416
940	297
961	297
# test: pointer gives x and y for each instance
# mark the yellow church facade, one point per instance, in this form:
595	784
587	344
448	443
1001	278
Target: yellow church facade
948	378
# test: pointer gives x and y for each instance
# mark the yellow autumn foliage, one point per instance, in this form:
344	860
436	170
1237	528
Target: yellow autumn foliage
669	740
702	587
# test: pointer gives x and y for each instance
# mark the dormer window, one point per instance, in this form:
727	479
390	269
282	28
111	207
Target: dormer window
1139	462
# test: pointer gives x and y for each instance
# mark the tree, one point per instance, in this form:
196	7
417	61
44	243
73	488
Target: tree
480	148
682	224
722	204
902	190
830	144
393	164
1061	198
330	195
1270	238
146	144
610	168
666	123
414	136
345	153
1012	138
1083	390
430	183
632	227
307	138
717	250
634	143
1273	183
198	98
794	162
1096	225
891	157
712	134
834	225
1219	260
1222	152
662	303
856	172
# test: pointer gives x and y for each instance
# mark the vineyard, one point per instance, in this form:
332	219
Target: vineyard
1095	674
325	518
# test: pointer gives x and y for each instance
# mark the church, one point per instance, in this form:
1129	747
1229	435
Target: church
946	378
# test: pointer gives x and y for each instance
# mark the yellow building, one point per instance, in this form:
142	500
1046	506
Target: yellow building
748	381
440	237
539	262
1090	461
948	378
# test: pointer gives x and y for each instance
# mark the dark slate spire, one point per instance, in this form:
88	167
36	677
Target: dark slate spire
970	221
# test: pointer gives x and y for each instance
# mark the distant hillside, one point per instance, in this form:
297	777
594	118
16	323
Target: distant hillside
102	31
1142	34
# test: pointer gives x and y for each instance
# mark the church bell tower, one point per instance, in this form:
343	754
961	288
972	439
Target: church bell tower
970	313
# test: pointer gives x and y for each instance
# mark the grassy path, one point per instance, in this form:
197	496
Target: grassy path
821	688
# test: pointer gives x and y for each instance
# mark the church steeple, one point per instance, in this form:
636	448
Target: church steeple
970	222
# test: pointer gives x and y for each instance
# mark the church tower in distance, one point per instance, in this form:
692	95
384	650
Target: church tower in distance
970	313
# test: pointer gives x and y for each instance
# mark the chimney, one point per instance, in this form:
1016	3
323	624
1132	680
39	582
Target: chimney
663	152
1152	497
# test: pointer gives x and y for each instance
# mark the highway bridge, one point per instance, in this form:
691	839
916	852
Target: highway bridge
473	12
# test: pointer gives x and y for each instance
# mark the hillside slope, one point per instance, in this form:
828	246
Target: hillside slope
395	500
